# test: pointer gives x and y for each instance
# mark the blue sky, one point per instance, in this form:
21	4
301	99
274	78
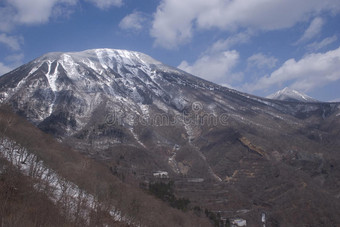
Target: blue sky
256	46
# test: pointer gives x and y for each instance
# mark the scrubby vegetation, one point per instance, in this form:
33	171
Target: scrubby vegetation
165	192
22	203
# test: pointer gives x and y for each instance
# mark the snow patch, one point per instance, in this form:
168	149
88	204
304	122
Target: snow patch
136	138
59	190
52	77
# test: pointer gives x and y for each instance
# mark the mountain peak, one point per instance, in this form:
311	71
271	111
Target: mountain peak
288	94
94	65
102	55
92	78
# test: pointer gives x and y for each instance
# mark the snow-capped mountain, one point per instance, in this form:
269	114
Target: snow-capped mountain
288	94
140	116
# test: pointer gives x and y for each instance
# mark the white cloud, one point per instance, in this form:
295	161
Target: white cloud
216	67
133	21
335	100
105	4
312	71
239	38
16	12
261	61
15	60
15	57
36	11
6	18
32	12
315	46
4	69
12	42
176	20
228	86
172	23
313	29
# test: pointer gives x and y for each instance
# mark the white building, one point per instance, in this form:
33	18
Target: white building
238	222
263	219
161	174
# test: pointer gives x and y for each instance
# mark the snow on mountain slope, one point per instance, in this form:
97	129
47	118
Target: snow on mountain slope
288	94
67	94
117	75
59	187
102	98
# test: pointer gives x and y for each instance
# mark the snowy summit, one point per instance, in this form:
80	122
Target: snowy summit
288	94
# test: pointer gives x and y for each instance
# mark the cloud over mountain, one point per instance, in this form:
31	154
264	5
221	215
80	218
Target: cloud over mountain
175	22
312	71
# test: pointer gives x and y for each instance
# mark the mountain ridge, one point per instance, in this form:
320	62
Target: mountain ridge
288	94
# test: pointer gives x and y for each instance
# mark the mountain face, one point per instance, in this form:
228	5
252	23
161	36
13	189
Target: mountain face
288	94
225	150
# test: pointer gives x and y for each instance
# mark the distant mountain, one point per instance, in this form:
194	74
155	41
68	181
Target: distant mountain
335	100
223	149
288	94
